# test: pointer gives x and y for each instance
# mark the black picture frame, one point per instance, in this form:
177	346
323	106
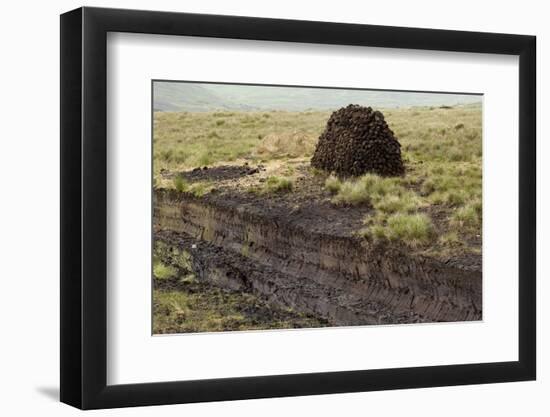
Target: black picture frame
84	207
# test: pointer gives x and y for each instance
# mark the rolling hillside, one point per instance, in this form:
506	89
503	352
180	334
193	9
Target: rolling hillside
197	97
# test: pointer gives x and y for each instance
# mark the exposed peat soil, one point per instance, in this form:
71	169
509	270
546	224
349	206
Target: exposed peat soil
297	251
212	308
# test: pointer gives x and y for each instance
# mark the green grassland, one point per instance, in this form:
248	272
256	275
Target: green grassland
187	140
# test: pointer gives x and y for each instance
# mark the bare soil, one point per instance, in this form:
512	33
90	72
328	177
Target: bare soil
251	312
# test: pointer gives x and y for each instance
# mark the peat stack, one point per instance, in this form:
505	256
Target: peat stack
358	140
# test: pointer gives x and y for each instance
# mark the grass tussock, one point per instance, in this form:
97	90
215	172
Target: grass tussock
197	189
351	193
395	216
413	229
163	271
276	184
402	202
387	195
170	262
333	184
450	240
468	217
273	185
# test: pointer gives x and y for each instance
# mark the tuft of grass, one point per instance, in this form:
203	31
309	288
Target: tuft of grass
276	184
411	229
188	279
468	217
379	186
180	184
451	184
450	239
333	184
178	262
200	189
162	271
455	198
352	193
385	194
197	189
205	159
316	172
428	187
405	201
377	232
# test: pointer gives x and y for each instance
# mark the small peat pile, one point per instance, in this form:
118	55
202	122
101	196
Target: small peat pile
358	140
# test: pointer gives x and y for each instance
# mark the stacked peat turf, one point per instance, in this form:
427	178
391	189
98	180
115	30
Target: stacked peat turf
358	140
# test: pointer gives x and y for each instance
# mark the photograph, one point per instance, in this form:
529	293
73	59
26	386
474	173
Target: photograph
292	207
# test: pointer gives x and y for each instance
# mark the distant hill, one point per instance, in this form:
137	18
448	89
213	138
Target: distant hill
197	97
179	96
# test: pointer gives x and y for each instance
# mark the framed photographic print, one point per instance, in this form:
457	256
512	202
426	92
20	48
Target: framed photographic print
256	207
